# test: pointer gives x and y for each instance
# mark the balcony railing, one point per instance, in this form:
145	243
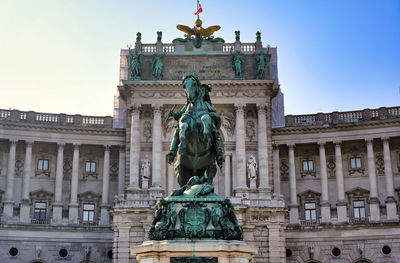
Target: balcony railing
55	119
359	221
343	117
310	222
40	222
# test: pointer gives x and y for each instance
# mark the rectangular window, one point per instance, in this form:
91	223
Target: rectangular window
359	209
308	165
88	212
40	211
310	211
43	165
90	167
355	163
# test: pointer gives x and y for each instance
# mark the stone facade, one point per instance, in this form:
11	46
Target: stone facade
83	188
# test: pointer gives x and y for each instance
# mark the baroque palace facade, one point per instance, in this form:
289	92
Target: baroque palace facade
306	188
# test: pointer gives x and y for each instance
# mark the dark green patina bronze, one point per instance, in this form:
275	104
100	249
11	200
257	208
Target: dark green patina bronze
194	211
238	62
135	62
261	61
194	260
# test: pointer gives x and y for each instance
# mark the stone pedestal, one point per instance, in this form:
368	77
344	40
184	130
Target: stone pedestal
145	183
167	251
253	183
24	212
57	213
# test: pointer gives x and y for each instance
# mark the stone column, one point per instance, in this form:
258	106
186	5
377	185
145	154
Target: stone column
228	175
156	149
240	149
9	195
373	194
262	147
391	209
341	205
325	206
276	170
73	205
104	215
293	206
121	172
134	154
171	178
58	205
24	213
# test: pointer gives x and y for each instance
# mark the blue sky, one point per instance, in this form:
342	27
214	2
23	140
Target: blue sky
63	56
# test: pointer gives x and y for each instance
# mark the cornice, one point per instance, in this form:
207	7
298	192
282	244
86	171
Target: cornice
65	129
336	127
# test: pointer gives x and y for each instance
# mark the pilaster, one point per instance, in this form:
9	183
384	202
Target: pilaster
24	214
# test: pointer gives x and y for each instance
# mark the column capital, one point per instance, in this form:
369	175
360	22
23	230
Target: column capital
275	146
290	145
337	143
369	141
76	146
13	141
262	107
385	138
107	147
239	107
321	144
60	144
29	142
156	108
227	155
135	108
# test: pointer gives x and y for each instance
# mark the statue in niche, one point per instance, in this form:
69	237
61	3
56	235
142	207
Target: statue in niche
228	122
250	130
261	61
238	62
147	133
237	36
252	167
135	61
158	65
159	36
145	168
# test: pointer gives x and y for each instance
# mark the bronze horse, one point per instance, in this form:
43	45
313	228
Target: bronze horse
196	143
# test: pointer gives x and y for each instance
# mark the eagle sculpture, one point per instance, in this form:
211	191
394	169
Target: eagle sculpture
198	31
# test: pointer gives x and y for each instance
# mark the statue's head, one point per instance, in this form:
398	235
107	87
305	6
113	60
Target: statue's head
191	84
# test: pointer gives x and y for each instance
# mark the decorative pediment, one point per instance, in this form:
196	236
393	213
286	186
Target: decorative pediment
41	194
309	195
358	192
89	195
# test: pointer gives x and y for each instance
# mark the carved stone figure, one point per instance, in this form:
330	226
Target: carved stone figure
252	167
145	168
238	64
228	122
196	133
158	65
147	130
135	63
250	130
261	61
